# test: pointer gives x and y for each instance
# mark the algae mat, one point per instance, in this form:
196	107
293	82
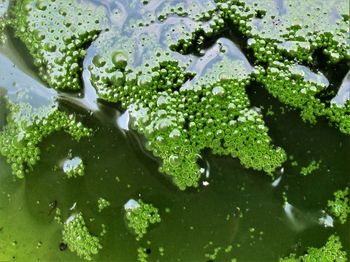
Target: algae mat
174	130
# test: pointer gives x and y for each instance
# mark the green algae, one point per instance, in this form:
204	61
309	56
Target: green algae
3	20
125	68
330	252
78	238
242	140
56	34
340	206
74	167
26	128
310	168
140	216
180	111
142	255
102	204
154	72
281	36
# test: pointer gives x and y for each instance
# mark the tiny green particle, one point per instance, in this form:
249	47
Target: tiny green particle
102	204
310	168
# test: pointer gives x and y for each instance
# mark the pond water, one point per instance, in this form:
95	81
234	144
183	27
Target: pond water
234	207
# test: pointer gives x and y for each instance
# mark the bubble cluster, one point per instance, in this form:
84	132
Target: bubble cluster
78	238
26	128
56	34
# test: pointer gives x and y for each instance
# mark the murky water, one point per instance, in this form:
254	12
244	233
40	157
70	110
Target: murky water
233	207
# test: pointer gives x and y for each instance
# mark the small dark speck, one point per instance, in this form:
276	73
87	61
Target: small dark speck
148	251
63	246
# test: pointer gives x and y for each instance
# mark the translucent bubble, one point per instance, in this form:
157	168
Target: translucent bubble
218	91
174	160
98	61
119	59
41	5
175	133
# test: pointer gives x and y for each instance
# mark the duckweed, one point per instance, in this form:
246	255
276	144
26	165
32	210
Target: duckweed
140	216
78	238
27	127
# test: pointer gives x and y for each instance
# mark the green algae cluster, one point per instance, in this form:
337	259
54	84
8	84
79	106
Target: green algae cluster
146	72
286	36
180	111
102	204
142	255
330	252
140	216
340	206
74	167
26	128
310	168
56	34
147	61
78	238
3	19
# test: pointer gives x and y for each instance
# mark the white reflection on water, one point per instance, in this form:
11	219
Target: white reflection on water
300	220
343	94
123	120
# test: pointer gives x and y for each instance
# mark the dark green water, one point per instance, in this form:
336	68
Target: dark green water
239	208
